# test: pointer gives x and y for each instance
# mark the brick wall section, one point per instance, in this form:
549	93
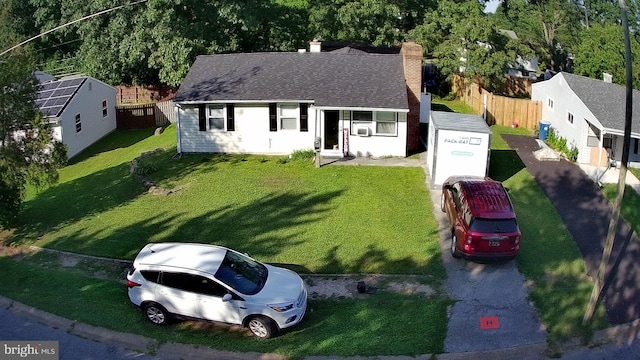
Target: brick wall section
412	60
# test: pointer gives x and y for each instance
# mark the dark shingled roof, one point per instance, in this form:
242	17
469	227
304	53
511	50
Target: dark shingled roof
605	100
328	79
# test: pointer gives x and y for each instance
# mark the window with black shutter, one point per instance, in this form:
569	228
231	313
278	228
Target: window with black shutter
304	117
202	117
231	123
273	117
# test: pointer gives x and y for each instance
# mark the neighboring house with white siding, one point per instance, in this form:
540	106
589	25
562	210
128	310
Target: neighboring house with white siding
80	109
354	103
590	115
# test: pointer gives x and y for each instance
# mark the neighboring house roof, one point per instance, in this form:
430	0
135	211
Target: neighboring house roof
605	100
328	79
53	96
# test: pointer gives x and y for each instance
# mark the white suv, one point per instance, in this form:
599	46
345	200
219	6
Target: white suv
214	283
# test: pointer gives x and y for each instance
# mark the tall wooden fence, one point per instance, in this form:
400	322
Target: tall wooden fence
499	110
144	116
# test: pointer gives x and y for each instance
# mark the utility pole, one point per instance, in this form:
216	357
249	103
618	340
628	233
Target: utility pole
596	294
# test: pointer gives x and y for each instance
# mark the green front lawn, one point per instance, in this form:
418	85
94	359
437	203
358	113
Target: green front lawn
336	219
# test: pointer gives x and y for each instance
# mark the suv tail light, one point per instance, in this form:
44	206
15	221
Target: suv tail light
132	284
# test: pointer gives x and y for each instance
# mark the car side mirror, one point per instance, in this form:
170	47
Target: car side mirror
227	297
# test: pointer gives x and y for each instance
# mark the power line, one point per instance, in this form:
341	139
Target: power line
70	23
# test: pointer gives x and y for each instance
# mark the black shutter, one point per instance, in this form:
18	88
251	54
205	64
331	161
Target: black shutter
202	117
304	117
231	123
273	117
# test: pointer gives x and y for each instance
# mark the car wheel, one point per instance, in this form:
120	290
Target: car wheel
262	327
454	247
156	314
442	206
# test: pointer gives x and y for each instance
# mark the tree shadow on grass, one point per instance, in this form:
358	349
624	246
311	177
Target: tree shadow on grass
503	164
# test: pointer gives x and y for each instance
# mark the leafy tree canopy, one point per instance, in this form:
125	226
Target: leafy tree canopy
460	36
602	51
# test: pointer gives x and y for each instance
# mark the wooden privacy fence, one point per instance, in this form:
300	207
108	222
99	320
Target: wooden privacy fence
499	110
130	117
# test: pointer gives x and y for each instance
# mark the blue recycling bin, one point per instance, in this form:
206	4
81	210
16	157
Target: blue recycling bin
544	130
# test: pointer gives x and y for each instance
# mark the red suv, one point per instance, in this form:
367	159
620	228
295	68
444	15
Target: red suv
483	222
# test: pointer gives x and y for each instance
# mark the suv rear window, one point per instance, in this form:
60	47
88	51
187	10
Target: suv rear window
150	275
494	225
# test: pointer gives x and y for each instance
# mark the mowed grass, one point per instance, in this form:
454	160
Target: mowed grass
336	219
549	258
337	327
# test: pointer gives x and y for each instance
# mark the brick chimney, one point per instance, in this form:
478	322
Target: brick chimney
412	62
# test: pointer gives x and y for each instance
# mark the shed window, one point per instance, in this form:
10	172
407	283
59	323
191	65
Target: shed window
105	111
550	103
78	123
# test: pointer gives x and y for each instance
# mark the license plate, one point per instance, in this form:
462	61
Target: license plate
494	243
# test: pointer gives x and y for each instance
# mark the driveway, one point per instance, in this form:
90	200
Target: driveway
491	309
586	213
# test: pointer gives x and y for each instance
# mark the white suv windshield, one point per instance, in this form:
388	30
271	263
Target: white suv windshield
242	273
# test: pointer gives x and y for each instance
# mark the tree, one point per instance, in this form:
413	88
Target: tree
461	36
26	150
379	22
602	50
552	27
158	40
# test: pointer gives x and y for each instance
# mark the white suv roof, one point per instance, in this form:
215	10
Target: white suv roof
205	258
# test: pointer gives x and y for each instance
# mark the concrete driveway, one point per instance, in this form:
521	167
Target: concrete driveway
491	309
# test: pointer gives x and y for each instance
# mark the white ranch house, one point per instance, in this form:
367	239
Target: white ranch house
590	114
354	103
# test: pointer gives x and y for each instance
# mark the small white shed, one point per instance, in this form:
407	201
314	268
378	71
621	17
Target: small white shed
458	144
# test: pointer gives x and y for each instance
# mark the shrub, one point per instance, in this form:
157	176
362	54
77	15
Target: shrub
146	169
559	143
307	154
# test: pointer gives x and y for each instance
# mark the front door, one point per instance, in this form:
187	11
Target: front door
331	130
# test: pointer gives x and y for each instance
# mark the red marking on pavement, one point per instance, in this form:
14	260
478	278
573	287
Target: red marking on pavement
489	322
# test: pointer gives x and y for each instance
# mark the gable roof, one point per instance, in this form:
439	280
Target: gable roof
605	100
346	80
53	96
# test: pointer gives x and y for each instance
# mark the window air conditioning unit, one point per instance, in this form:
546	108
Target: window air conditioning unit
363	131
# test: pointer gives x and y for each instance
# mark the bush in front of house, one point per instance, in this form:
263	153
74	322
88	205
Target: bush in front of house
559	143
